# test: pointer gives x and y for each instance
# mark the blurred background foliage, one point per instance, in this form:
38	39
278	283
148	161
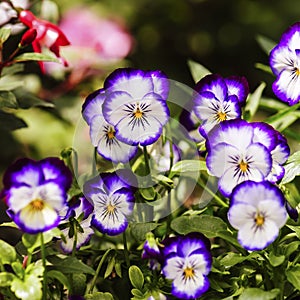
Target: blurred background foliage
219	34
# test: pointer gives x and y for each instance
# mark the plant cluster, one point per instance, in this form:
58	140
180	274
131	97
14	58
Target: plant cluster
188	193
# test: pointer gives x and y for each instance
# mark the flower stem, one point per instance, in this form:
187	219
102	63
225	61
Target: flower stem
45	287
146	158
90	290
126	252
216	197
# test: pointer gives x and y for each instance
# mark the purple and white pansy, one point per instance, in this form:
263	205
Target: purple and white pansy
81	211
240	151
257	210
285	64
35	192
187	262
103	134
217	99
113	200
136	104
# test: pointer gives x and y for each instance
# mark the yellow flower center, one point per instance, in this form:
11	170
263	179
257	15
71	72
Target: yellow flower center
110	133
259	220
189	272
110	208
297	72
37	204
138	113
221	116
243	166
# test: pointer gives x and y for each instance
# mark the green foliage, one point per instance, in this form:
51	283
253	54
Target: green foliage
197	70
99	296
258	294
8	253
136	277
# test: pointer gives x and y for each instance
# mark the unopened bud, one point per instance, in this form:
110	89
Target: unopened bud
28	37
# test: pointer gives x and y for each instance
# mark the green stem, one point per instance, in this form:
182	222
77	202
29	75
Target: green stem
43	252
126	252
93	283
146	158
216	197
75	239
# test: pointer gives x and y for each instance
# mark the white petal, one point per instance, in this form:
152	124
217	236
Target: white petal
20	197
274	211
173	267
97	129
241	213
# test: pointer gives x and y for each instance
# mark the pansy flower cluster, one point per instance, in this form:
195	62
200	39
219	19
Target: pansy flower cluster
130	110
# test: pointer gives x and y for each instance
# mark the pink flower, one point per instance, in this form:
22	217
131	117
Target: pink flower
48	35
108	39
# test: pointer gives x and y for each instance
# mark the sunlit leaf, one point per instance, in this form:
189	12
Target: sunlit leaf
265	43
258	294
292	168
35	57
136	277
99	296
4	34
197	70
8	99
8	253
293	276
253	100
185	167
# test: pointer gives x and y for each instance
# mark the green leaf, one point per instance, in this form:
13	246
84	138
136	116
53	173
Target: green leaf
293	276
184	167
29	289
63	279
276	261
253	100
6	279
264	68
110	267
197	70
279	117
4	34
99	296
70	265
78	283
265	43
136	277
36	57
208	225
137	294
232	259
12	69
10	122
9	82
8	253
18	269
296	229
258	294
139	230
148	194
292	168
27	100
8	99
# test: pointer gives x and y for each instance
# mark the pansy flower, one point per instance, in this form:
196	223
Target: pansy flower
217	99
48	35
35	192
80	213
103	134
257	211
236	154
136	105
187	262
113	198
285	64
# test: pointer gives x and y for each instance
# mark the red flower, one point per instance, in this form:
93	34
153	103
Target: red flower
48	35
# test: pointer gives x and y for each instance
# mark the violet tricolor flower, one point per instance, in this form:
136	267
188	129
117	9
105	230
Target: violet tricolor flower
136	105
35	192
103	134
285	64
187	263
217	99
257	211
81	211
235	154
113	200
